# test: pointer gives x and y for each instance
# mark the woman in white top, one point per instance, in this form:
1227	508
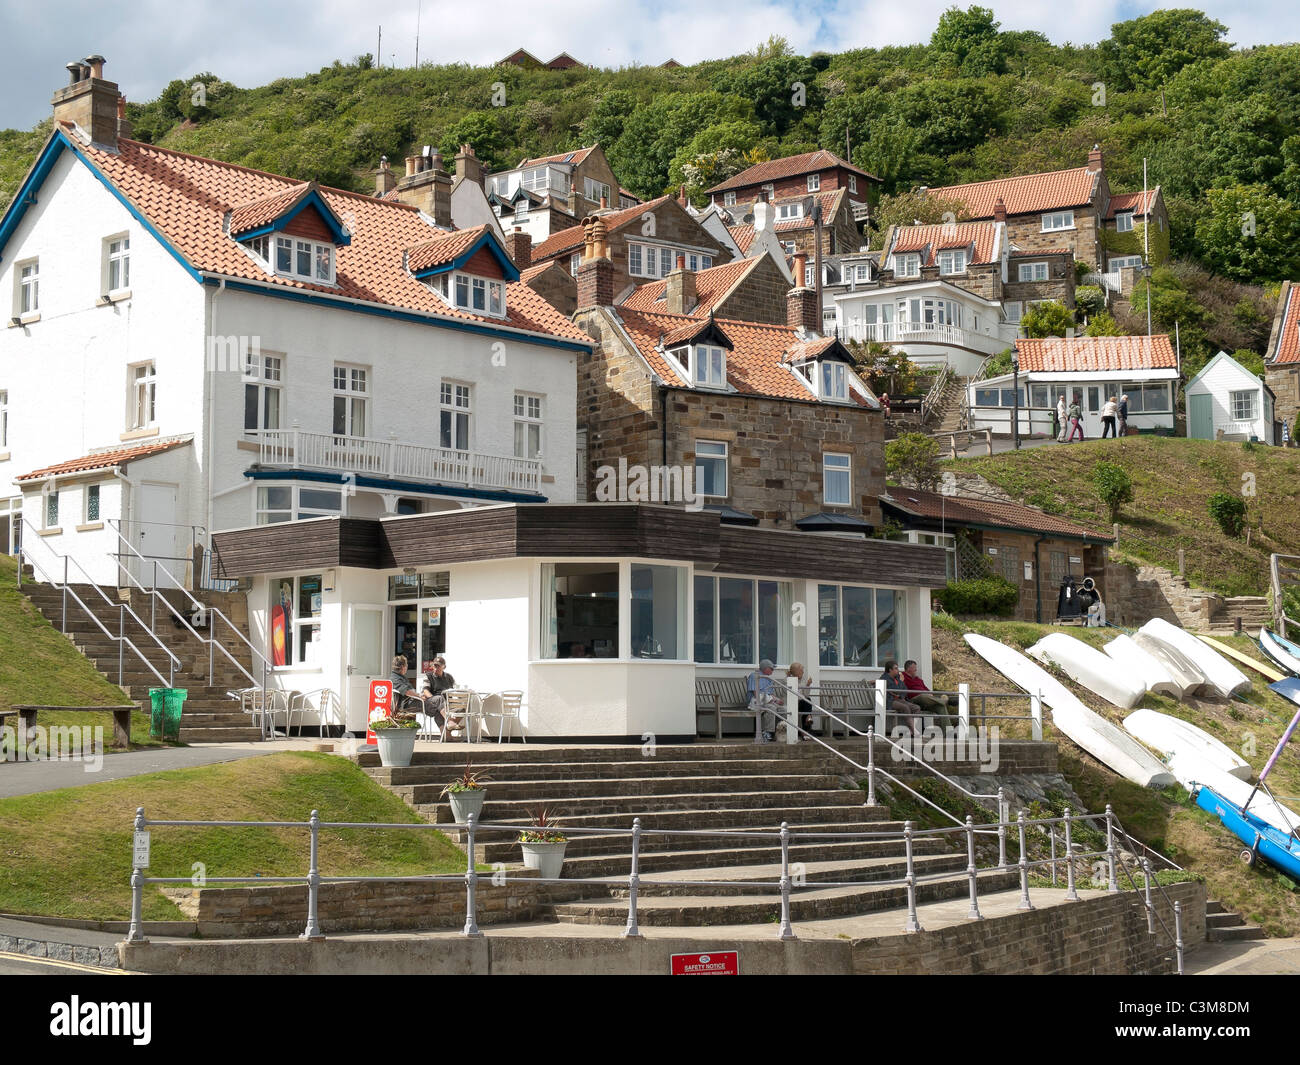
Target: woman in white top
1060	418
1108	414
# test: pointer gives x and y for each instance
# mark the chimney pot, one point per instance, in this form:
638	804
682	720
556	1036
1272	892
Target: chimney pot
74	72
800	268
91	102
96	64
1094	158
681	261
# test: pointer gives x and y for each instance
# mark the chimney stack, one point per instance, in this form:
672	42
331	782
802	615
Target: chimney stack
427	186
385	179
999	210
468	165
761	211
124	127
595	272
679	289
1094	158
91	102
519	246
800	268
801	310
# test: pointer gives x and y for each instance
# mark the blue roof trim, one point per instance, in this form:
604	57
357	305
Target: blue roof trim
41	170
511	271
384	484
308	296
312	199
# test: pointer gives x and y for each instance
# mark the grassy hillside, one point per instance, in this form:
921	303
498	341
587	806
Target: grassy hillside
1172	480
1164	819
38	665
68	853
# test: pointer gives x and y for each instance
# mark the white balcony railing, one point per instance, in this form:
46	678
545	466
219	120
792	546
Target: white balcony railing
361	456
916	332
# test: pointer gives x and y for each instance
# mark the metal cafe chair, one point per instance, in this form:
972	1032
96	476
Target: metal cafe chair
511	702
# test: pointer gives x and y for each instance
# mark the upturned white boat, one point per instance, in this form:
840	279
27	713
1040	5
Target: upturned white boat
1191	768
1188	679
1226	678
1282	651
1085	665
1103	740
1171	736
1153	673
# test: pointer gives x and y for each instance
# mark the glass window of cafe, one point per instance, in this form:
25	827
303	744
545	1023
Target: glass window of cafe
859	626
580	610
739	621
295	620
419	627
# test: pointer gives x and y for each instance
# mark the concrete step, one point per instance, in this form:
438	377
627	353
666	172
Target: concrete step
651	792
1233	933
675	811
219	735
598	773
538	753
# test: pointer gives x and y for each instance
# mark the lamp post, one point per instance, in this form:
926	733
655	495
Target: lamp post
1146	274
1015	401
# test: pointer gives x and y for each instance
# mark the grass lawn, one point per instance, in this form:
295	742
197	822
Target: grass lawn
1172	480
38	665
68	853
1165	818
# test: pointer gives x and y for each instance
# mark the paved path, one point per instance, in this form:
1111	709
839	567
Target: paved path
1261	957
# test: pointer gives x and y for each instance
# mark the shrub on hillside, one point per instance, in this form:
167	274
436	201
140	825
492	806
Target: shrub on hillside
913	458
1228	512
987	595
1114	486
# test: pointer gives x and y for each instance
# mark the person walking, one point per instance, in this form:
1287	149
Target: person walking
1109	412
1060	417
1076	425
1123	415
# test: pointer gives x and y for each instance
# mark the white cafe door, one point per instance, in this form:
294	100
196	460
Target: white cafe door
365	661
154	536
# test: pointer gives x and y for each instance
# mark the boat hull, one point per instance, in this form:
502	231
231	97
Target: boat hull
1173	736
1226	678
1282	651
1154	673
1275	847
1085	665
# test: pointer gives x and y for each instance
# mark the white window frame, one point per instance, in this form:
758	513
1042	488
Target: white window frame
710	366
1251	396
853	183
528	410
1121	261
457	290
814	182
837	465
27	288
1031	271
264	371
729	199
952	261
832	380
809	275
117	261
86	495
907	265
298	248
1055	221
639	254
596	189
295	511
788	246
770	189
1124	222
141	395
574	260
455	409
50	517
354	398
786	212
713	456
521	207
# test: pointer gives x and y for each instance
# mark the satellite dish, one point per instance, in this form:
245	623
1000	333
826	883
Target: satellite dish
748	220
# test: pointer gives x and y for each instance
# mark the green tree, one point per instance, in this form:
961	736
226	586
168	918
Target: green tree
908	208
913	459
1250	234
1146	52
715	154
1113	485
969	39
480	130
1103	325
1228	512
782	90
1050	319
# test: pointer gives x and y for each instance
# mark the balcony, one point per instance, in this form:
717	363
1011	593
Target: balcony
916	333
294	449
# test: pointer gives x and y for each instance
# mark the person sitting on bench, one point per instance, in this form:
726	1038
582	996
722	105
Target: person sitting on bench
765	697
900	701
919	692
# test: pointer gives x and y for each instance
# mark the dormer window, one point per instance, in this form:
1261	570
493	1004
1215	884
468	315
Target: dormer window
705	364
907	265
306	260
952	262
814	182
478	295
521	209
283	232
785	211
834	378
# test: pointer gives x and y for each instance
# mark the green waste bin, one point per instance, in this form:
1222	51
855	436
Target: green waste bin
165	715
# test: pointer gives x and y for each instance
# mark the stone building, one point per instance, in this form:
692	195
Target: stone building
751	290
1282	362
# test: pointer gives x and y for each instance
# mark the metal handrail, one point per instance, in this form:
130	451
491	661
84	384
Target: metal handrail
936	392
121	638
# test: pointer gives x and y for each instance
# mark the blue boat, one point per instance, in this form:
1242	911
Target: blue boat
1288	688
1262	839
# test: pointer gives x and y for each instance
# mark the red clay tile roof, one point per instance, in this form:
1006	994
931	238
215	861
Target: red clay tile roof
1097	353
186	197
536	271
443	248
710	286
743	236
1287	350
830	202
1132	201
575	157
790	166
104	459
1021	253
757	363
968	510
1028	194
933	238
266	209
567	240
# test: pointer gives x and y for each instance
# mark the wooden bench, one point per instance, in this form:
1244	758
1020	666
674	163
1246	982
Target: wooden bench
723	697
845	697
121	718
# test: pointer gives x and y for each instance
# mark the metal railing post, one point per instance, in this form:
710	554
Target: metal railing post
963	710
1071	892
135	934
1036	717
212	638
1151	910
64	624
121	641
1112	885
312	930
153	613
633	882
913	922
471	884
1002	829
1025	904
1051	835
974	914
871	765
785	932
1178	934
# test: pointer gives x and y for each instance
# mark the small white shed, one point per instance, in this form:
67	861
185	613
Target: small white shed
1227	401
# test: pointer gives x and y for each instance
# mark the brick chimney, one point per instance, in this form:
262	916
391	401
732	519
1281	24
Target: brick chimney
468	165
595	274
123	123
679	289
90	101
801	310
681	196
1094	158
385	179
427	186
799	268
999	210
519	246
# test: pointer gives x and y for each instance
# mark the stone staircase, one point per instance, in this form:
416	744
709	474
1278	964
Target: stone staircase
730	880
948	411
209	716
1251	610
1223	926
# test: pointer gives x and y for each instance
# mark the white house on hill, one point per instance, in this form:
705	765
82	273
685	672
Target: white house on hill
1225	401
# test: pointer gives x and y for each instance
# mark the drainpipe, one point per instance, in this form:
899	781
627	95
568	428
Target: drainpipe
1038	581
663	426
211	381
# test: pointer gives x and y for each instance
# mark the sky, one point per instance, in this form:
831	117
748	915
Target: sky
252	42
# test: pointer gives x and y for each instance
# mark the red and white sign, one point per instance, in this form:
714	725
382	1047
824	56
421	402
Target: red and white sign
381	700
717	963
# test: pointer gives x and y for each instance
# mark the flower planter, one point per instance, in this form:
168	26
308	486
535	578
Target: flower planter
546	858
464	803
396	745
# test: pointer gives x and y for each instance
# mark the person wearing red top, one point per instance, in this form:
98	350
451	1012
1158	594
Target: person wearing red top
915	684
